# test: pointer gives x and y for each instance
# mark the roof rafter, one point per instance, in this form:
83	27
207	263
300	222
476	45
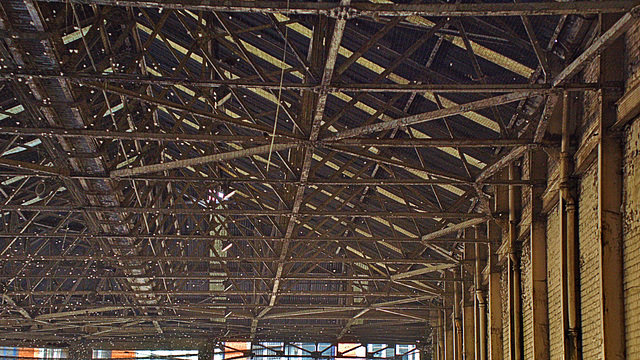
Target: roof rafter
332	55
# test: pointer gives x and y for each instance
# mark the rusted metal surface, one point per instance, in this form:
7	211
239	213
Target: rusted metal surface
598	46
610	202
83	78
538	274
208	159
434	115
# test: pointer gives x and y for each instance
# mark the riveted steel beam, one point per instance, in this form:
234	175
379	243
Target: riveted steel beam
376	9
135	79
238	212
228	259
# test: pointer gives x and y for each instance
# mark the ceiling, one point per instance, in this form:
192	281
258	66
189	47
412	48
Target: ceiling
262	170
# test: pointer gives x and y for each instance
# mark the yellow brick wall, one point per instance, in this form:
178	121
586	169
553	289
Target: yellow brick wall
632	45
496	343
525	217
631	239
553	283
527	298
631	202
589	248
504	294
589	113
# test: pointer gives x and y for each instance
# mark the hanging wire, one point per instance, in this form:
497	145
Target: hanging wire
84	40
275	120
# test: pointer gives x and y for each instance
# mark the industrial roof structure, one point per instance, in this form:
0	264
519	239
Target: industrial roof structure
264	170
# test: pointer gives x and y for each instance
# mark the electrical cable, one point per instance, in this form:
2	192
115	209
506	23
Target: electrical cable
275	120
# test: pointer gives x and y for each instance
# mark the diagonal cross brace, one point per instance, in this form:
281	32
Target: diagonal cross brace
601	43
433	115
202	160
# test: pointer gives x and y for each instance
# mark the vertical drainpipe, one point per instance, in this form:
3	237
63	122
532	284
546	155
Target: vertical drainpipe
477	278
483	327
437	344
568	236
481	309
457	316
444	348
514	270
436	352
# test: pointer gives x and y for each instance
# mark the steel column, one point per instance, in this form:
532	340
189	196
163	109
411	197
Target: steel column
495	313
538	273
468	321
610	163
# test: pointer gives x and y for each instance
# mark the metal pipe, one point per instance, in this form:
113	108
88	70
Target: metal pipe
481	308
442	343
435	341
568	234
457	314
483	325
514	271
517	311
571	272
477	280
478	263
